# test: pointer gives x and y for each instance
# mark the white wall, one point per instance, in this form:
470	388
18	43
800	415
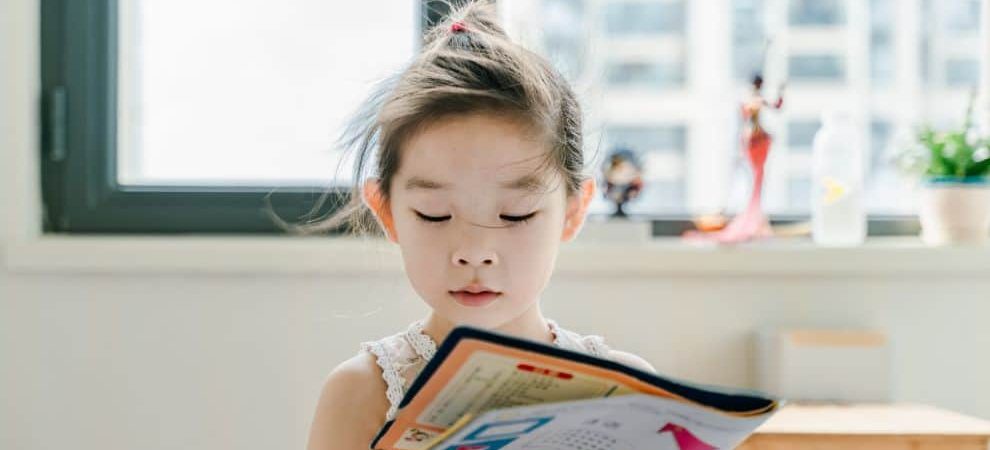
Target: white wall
167	359
115	362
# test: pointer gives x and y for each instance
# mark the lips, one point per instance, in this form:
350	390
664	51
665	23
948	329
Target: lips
475	295
475	288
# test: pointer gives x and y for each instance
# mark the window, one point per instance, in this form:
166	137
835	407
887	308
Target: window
254	106
951	43
151	130
748	38
816	68
882	42
880	134
801	133
670	138
185	115
564	44
962	16
874	57
799	191
650	75
887	193
962	72
644	17
816	12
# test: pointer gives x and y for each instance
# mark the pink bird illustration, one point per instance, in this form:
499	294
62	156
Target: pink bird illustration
685	439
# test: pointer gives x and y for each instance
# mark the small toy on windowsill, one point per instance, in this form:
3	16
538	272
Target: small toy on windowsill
621	182
622	177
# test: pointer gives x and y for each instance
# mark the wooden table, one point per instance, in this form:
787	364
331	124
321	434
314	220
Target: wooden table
874	427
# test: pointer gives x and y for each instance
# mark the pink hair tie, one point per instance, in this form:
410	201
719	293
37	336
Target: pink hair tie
457	27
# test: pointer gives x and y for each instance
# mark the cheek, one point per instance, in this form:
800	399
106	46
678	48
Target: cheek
422	247
420	242
536	237
426	270
539	236
531	252
412	231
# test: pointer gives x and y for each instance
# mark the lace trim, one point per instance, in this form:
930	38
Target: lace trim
555	331
393	381
426	348
597	346
593	344
421	343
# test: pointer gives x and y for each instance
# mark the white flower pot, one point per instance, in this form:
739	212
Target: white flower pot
955	213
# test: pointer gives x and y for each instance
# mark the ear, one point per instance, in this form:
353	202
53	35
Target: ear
577	209
371	193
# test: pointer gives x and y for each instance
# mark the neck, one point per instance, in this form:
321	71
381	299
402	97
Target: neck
529	325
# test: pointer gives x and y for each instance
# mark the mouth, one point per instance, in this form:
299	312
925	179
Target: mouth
475	296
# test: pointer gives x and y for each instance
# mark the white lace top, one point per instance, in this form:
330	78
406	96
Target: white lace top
401	356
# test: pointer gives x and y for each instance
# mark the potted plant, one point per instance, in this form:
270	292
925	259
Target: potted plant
955	168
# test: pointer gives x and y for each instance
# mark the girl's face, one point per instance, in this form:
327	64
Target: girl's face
472	211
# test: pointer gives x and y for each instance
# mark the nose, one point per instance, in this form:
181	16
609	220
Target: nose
474	245
475	249
474	257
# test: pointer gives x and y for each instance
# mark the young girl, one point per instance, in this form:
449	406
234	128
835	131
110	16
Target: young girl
478	162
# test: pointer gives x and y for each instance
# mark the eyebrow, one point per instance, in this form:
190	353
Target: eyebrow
422	183
529	183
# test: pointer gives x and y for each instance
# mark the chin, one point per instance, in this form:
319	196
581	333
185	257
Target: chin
477	319
486	318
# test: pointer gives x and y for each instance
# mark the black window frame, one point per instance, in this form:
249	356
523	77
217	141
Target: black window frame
78	138
80	191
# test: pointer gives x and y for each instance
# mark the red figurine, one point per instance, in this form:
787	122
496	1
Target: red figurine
752	223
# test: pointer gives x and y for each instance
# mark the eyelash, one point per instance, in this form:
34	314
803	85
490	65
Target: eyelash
518	220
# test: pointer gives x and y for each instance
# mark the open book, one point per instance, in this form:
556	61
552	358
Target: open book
488	391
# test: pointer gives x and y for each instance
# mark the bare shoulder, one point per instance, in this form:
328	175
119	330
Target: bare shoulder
632	360
351	408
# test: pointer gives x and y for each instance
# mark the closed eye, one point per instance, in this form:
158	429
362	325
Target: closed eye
431	218
518	218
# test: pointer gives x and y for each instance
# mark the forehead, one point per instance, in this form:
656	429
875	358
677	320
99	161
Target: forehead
474	150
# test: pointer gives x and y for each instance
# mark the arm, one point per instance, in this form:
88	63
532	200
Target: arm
779	103
351	408
780	96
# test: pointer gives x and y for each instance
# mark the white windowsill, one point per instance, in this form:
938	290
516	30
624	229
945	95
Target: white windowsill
210	255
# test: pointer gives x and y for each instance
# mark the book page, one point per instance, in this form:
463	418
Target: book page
631	422
489	381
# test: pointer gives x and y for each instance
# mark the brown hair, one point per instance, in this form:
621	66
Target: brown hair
467	65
